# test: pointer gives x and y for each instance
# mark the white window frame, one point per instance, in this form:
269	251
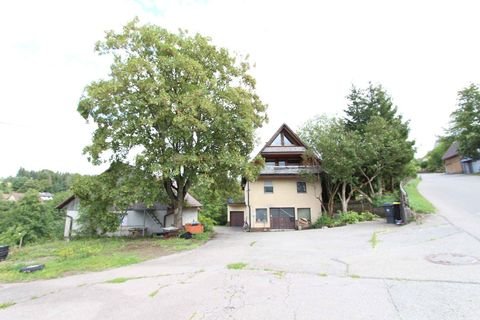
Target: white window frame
266	215
268	184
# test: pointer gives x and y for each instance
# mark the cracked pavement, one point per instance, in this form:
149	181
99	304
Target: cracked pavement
313	274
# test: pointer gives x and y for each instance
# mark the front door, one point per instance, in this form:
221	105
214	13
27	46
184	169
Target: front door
282	218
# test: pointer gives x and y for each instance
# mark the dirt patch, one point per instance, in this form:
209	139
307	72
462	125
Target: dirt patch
146	250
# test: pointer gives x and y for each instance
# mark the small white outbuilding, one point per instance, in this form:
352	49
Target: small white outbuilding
137	219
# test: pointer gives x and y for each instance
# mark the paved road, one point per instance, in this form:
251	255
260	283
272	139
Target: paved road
315	274
456	197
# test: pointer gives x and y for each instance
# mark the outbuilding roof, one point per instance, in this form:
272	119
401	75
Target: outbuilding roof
452	151
190	202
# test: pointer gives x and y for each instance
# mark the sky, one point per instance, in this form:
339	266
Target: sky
307	55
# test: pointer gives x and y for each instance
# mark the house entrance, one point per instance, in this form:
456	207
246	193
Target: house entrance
282	218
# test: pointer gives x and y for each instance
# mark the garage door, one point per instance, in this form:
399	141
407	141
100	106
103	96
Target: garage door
236	218
282	218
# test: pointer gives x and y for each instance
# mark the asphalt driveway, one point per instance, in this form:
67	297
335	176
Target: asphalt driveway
418	271
457	198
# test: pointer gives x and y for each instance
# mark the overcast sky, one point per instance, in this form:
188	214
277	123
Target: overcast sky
307	56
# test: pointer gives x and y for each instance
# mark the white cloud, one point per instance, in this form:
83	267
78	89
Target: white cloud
307	56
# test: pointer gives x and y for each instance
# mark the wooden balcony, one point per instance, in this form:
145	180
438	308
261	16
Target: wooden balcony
287	170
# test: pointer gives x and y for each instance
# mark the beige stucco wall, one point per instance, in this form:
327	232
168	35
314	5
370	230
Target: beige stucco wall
284	196
237	207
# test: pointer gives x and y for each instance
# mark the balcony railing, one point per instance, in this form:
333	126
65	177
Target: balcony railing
288	170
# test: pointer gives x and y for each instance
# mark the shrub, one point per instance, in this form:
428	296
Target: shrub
207	222
29	220
343	218
323	221
349	217
379	200
368	216
13	235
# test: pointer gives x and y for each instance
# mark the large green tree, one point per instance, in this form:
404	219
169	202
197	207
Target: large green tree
104	199
432	161
385	155
43	180
214	194
338	149
29	220
387	148
178	105
364	104
465	121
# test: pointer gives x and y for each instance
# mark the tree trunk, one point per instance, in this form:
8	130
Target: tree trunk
343	197
369	199
380	186
331	203
178	213
176	191
320	192
332	192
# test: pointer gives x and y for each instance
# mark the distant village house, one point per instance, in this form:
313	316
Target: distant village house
454	162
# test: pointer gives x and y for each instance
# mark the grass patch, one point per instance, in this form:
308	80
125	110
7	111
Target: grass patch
5	305
237	266
121	279
252	243
63	258
417	202
354	276
374	240
153	293
277	273
322	274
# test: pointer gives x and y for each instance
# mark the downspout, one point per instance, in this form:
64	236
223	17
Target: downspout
249	208
144	217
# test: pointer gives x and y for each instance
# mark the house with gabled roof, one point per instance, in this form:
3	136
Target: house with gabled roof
455	162
13	196
136	219
280	197
452	159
